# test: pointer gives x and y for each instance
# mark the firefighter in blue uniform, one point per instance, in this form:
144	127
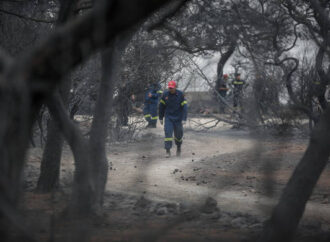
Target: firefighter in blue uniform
238	85
151	101
173	106
222	90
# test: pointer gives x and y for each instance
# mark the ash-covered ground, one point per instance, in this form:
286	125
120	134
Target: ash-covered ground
222	188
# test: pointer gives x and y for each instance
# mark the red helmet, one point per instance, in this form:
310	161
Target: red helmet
225	75
172	84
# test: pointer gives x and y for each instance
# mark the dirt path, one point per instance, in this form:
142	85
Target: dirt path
243	173
142	169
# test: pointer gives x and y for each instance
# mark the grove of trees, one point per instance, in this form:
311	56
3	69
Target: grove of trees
68	57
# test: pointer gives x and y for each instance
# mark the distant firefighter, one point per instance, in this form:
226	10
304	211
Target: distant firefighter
223	89
151	101
238	85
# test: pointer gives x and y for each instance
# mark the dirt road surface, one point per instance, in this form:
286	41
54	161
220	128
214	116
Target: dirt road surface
232	177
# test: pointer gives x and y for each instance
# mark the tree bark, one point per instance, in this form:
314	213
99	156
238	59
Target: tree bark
83	188
99	126
111	63
222	62
51	158
31	78
324	77
289	210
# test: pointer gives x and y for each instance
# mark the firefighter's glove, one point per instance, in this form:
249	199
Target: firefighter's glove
161	122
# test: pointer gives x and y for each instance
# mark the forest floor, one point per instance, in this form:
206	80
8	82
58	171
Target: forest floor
222	188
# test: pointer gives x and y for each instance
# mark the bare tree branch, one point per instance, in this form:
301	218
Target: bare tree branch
171	13
47	21
76	41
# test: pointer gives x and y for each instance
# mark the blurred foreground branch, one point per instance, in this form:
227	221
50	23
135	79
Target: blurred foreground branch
291	206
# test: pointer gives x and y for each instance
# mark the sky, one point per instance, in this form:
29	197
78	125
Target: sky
209	66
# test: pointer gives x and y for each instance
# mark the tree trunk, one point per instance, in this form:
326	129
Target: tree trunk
35	76
51	158
14	140
222	62
111	63
99	126
288	212
83	187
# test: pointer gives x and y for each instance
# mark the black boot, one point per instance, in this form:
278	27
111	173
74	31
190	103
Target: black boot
178	150
168	153
154	125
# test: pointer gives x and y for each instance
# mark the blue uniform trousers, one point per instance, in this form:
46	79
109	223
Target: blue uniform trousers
238	100
150	112
172	125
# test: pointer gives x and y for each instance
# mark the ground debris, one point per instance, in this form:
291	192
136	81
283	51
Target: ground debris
191	214
141	203
210	206
175	171
239	222
250	177
162	211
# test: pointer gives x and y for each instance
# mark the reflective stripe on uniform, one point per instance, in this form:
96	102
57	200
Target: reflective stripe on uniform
168	139
238	83
179	140
317	83
162	102
183	103
160	92
154	118
147	116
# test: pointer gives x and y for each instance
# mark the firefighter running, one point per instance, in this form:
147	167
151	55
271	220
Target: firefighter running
173	106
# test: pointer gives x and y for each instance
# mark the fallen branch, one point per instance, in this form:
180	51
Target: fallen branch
27	18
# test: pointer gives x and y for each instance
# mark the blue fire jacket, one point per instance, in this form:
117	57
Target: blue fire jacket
173	106
154	97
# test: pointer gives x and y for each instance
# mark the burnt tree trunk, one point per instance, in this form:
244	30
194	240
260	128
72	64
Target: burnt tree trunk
222	62
320	90
51	158
83	187
14	139
99	126
28	80
111	60
288	212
